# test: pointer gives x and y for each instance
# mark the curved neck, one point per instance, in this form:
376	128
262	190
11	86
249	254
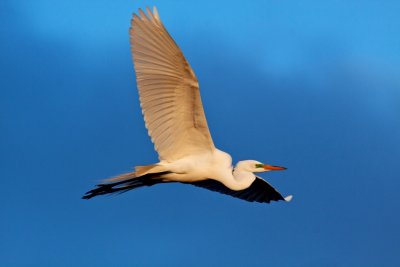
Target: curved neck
242	179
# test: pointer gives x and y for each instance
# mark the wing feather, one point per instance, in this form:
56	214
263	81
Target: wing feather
259	190
168	90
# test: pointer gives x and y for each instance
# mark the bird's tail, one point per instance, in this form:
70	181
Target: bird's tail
128	181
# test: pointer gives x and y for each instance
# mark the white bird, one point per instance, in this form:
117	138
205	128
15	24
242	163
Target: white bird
175	120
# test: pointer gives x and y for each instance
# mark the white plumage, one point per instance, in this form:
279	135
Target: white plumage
174	117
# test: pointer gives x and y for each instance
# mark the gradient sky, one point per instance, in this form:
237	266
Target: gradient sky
310	85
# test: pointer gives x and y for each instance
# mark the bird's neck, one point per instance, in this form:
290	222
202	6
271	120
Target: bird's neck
242	179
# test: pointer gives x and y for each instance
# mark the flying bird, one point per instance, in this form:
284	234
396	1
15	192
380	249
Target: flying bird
174	117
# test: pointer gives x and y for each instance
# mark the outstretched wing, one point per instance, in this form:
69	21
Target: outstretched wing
259	191
168	89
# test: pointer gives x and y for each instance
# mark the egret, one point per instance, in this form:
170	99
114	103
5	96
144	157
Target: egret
174	117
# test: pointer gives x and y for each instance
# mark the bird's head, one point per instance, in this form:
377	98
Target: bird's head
256	166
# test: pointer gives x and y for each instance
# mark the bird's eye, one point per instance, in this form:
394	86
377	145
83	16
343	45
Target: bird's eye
259	165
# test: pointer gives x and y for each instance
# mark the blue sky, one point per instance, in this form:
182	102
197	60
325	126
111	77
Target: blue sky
310	85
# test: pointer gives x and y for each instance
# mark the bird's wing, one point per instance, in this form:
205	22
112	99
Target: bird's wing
259	191
168	89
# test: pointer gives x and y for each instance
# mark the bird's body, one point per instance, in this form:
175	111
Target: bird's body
174	117
215	165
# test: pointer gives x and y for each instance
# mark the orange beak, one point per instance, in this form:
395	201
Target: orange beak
273	168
